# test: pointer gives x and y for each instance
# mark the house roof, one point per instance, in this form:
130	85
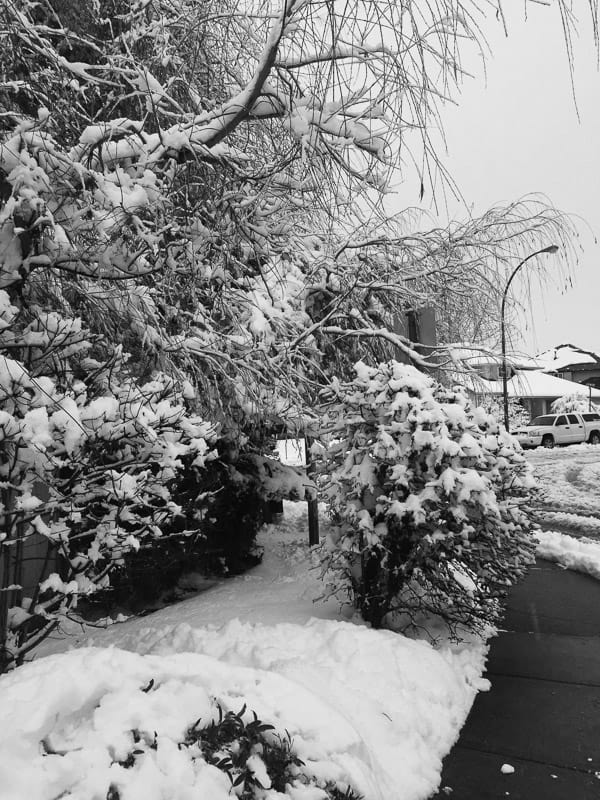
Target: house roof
535	383
565	355
475	357
516	361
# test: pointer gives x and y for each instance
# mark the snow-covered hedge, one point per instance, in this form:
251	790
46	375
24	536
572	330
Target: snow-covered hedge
427	494
89	475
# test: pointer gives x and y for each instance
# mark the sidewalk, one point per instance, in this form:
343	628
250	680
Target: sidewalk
542	714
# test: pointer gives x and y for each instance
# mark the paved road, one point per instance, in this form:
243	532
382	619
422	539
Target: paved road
542	714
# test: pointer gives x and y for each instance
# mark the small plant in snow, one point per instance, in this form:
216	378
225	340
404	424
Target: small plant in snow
255	758
250	752
427	494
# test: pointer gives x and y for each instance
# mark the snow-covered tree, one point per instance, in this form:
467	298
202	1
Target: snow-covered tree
576	401
197	185
518	416
201	190
426	493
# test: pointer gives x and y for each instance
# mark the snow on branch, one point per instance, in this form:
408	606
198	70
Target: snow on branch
399	342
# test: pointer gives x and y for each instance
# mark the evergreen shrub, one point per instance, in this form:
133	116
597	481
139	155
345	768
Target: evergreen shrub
427	495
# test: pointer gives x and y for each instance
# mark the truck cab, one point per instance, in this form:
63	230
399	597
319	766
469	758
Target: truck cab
568	428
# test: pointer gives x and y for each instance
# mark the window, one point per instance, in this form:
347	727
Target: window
562	420
591	417
573	419
546	420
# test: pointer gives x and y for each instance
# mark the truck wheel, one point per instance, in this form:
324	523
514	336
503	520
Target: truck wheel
594	437
548	441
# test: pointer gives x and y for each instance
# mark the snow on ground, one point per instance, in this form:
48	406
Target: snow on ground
371	709
569	477
570	504
283	588
581	555
566	520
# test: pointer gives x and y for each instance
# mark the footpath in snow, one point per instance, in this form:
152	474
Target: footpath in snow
371	710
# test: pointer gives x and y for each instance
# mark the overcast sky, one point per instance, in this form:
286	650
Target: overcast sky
516	132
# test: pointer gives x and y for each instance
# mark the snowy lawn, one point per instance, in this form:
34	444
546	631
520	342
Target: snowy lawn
371	710
570	481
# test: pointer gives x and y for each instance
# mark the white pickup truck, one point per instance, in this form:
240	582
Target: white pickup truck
552	429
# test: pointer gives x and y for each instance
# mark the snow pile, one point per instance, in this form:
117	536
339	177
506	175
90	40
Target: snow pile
571	553
373	710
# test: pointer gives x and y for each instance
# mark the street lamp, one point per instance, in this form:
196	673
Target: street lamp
550	249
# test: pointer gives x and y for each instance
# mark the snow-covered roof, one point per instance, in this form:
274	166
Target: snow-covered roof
516	361
478	357
460	351
535	383
558	358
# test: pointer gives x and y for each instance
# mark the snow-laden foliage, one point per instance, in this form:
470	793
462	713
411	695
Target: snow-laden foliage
87	475
189	187
518	416
193	185
427	495
576	401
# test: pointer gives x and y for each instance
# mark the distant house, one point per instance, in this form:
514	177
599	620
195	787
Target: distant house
532	381
573	364
489	366
535	389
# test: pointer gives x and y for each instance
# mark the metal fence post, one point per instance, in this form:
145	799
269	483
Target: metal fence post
313	503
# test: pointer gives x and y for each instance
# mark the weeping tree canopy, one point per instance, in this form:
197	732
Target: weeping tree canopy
193	243
202	186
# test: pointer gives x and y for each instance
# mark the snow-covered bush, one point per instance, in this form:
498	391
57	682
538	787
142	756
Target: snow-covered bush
427	495
90	476
256	758
518	416
576	401
237	492
222	507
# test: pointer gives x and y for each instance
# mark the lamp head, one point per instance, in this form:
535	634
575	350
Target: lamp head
552	248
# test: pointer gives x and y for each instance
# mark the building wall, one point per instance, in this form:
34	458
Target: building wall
538	406
419	327
29	557
588	374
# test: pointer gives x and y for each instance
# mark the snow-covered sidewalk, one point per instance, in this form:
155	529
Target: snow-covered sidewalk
371	710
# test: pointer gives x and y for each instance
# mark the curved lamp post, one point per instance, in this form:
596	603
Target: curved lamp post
550	249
